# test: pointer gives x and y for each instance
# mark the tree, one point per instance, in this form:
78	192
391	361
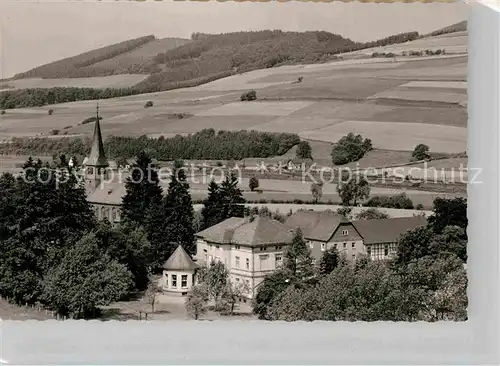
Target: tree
215	278
269	289
317	191
50	213
231	198
345	211
421	152
212	207
142	191
451	240
371	214
304	150
85	279
449	212
129	246
253	183
178	226
152	294
329	261
233	293
195	301
354	190
298	260
414	244
350	148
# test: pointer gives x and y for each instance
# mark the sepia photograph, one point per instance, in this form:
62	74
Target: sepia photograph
233	161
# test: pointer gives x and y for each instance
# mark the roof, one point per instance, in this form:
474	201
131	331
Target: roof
241	231
97	156
179	261
387	230
316	225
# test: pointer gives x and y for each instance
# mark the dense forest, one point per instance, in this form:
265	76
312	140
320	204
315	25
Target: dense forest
22	98
206	144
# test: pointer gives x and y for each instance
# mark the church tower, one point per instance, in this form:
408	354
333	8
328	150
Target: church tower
96	163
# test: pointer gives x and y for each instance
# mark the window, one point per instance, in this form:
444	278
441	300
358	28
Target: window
335	246
210	258
205	254
184	281
278	247
217	247
323	247
353	256
166	280
237	279
311	245
279	261
353	245
174	281
345	232
386	250
369	251
90	170
237	247
263	248
248	263
345	245
237	264
113	214
263	262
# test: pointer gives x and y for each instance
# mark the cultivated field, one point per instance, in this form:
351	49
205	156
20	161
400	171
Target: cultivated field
397	135
393	102
452	43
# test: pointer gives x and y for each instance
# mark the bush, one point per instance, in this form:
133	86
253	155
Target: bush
148	104
54	132
248	96
51	111
421	152
401	201
253	183
67	127
2	112
350	148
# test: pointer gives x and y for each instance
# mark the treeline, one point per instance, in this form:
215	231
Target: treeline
425	281
206	144
22	98
78	66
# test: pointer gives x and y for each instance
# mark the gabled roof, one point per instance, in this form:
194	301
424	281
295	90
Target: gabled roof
97	156
387	230
316	225
179	261
241	231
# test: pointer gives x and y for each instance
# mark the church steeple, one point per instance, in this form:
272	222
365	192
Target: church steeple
97	157
97	162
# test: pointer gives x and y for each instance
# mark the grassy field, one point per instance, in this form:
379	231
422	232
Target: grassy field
397	135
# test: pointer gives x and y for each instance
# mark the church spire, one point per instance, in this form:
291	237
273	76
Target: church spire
97	156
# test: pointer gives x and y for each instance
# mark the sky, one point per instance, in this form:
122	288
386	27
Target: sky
35	33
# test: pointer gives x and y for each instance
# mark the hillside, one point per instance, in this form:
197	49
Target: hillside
128	57
457	27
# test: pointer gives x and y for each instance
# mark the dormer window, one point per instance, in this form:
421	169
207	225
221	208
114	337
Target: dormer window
90	170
